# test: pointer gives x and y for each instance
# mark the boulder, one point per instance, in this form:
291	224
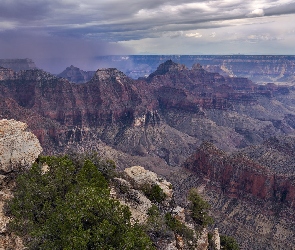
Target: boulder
18	148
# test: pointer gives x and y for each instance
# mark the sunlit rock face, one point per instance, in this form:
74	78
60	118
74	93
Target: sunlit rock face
18	148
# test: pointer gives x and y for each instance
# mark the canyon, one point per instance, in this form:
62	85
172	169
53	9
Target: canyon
228	136
258	68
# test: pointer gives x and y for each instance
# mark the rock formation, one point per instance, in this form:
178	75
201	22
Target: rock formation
140	177
216	239
230	181
18	150
187	105
76	75
130	190
258	68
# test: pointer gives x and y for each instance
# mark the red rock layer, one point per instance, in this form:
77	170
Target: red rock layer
237	176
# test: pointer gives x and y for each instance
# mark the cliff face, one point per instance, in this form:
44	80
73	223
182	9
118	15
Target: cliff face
18	150
232	181
239	176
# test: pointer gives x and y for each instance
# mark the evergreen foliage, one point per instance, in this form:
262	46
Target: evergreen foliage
199	208
228	243
155	225
69	207
154	192
178	227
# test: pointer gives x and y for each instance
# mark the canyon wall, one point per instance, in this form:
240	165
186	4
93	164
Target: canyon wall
250	200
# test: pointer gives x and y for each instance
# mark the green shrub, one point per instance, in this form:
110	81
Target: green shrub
106	167
154	192
199	209
155	224
178	227
228	243
153	211
69	207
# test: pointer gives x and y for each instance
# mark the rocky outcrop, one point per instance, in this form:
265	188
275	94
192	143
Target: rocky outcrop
76	75
216	239
129	189
18	150
140	177
137	202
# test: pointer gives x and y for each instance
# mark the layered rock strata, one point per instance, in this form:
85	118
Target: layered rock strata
175	103
250	199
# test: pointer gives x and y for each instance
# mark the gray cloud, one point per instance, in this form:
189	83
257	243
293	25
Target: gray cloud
24	10
282	9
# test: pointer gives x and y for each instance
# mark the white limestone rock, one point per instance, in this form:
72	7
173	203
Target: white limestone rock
137	202
18	148
216	239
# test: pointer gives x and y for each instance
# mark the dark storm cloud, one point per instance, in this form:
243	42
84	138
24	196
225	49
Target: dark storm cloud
25	10
281	9
112	19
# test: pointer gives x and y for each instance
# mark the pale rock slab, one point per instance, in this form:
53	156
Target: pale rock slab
18	148
216	239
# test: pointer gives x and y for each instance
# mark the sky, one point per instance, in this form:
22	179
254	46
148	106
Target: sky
58	33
